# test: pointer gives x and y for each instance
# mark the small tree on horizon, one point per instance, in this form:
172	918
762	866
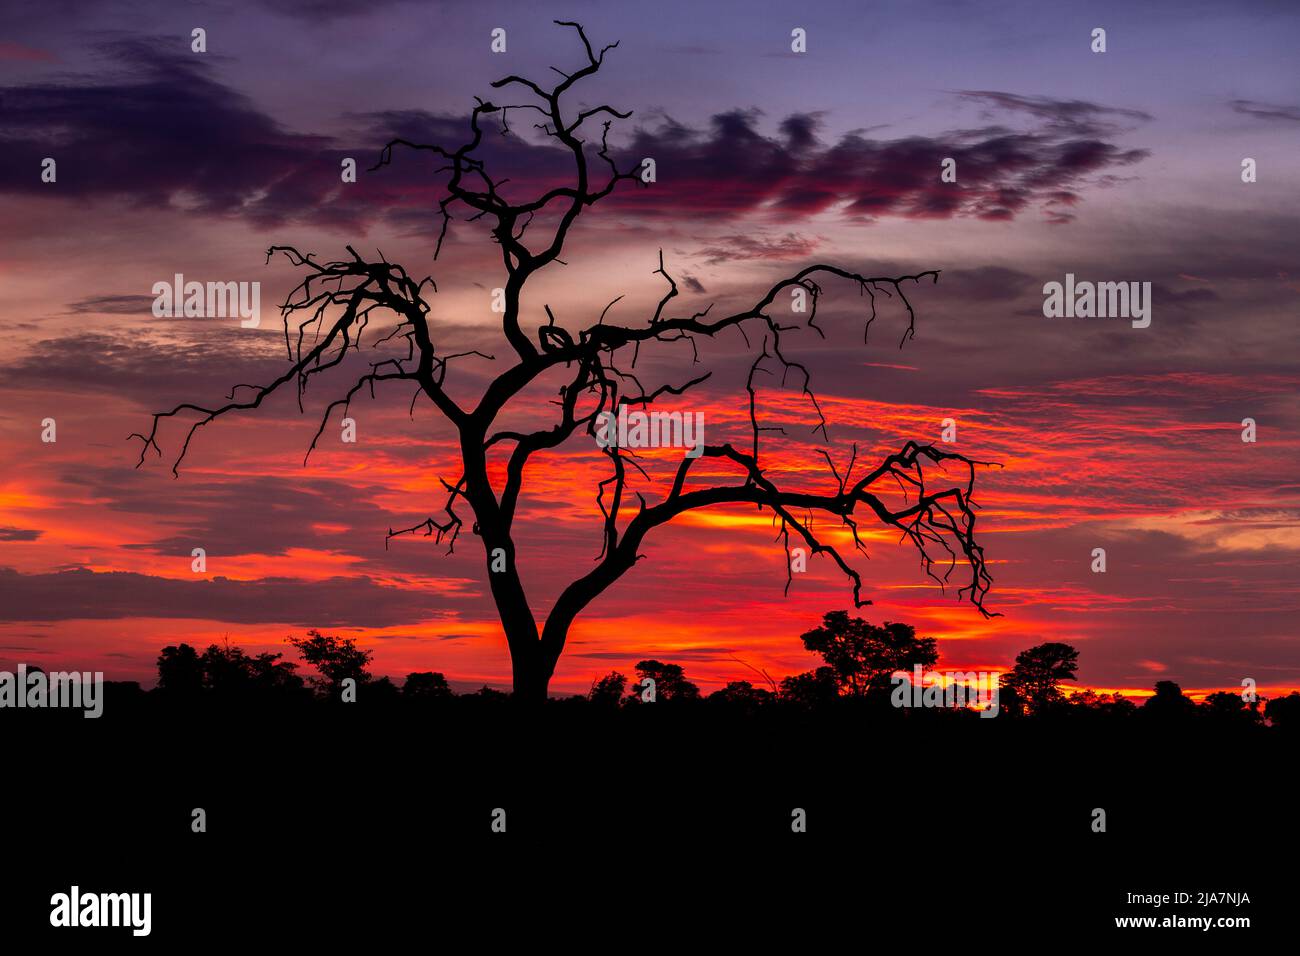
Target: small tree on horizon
608	691
670	682
335	658
426	685
225	672
864	656
811	689
1035	679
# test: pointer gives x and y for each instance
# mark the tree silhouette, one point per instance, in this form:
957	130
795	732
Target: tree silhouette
1226	705
336	658
1168	703
811	689
1284	712
180	671
670	682
863	656
910	491
608	690
1110	705
1039	670
740	696
226	674
426	686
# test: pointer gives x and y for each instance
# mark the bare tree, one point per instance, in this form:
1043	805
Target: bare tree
335	300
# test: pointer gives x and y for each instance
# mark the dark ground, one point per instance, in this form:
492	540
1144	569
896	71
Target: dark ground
659	828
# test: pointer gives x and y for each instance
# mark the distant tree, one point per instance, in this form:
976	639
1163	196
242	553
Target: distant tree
1038	672
863	656
1284	712
272	675
180	672
1112	705
381	690
670	682
812	688
225	672
1169	702
229	672
607	691
488	695
123	696
1010	701
426	685
1225	705
740	696
336	658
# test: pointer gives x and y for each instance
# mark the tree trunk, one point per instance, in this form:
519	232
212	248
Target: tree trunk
530	679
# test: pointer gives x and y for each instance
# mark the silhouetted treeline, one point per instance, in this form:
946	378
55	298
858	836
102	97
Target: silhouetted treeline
859	677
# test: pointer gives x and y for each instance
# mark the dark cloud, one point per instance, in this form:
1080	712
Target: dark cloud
16	51
324	515
1266	111
322	11
336	602
988	283
1069	117
749	246
305	512
113	305
151	371
1181	299
693	50
19	534
733	168
649	653
158	125
159	129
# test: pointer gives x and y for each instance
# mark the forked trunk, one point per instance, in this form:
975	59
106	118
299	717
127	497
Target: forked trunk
530	679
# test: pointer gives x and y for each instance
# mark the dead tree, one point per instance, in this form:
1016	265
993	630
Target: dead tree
335	301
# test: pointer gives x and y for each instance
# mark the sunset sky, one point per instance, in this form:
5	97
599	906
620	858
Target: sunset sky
1122	166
